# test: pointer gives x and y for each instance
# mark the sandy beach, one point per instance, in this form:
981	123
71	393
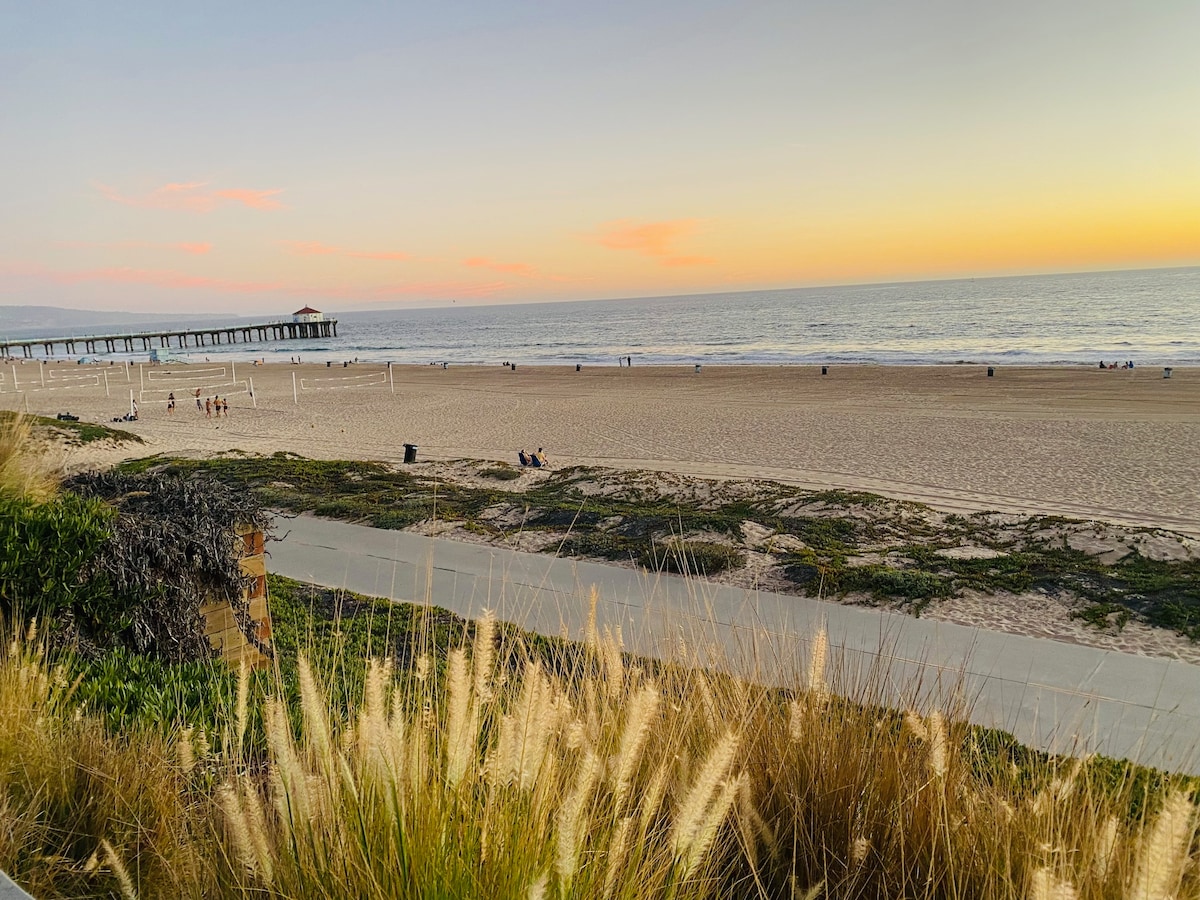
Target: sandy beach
1117	446
1106	446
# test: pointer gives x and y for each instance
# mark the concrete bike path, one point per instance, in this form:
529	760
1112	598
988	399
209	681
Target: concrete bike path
1051	695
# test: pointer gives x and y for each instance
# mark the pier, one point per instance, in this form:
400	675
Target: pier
193	337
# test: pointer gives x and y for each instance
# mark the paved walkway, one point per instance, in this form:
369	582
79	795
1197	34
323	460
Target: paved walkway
1051	695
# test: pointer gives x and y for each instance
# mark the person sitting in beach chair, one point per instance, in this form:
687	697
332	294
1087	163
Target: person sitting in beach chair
524	457
539	459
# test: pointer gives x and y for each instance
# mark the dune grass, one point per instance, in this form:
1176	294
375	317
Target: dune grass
483	766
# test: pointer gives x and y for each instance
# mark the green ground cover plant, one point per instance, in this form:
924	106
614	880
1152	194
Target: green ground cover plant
116	560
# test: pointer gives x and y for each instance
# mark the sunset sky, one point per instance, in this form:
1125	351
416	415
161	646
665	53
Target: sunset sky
248	158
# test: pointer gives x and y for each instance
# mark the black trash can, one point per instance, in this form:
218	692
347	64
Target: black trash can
991	372
410	453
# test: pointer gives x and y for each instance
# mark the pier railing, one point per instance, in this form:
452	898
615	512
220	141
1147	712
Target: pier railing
132	341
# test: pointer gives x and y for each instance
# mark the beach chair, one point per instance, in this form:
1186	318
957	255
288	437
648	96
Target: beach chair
524	459
536	461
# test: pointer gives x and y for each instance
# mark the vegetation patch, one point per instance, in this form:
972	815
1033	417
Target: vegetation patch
630	518
501	473
74	433
390	726
703	558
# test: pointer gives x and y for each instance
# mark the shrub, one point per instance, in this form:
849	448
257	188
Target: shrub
501	473
692	557
885	582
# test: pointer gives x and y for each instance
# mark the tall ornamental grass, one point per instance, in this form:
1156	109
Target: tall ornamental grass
491	771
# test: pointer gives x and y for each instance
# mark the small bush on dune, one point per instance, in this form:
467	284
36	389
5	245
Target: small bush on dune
704	558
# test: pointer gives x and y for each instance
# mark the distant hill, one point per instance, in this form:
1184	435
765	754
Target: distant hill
52	321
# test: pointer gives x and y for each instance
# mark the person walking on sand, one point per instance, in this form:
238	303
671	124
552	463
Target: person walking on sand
199	405
208	407
170	403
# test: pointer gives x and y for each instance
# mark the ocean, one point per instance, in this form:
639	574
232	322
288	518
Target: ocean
1149	316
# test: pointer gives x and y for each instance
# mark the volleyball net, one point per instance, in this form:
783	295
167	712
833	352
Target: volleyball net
344	382
189	376
185	393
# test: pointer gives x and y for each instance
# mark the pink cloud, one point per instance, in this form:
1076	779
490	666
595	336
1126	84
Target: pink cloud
192	196
654	239
252	199
482	262
195	249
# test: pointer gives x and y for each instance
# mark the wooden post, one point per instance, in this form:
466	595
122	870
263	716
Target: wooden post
295	396
253	399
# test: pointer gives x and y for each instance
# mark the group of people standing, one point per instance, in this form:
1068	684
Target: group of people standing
206	405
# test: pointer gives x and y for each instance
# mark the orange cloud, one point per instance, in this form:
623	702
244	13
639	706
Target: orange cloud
252	199
365	254
482	262
192	196
654	239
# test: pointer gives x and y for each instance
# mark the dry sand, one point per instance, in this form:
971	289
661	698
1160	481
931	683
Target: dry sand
1117	446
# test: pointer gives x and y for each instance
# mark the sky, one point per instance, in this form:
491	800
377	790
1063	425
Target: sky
252	158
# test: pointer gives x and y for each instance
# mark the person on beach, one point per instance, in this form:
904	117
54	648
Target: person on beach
629	362
539	458
208	407
225	407
199	405
524	458
170	403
